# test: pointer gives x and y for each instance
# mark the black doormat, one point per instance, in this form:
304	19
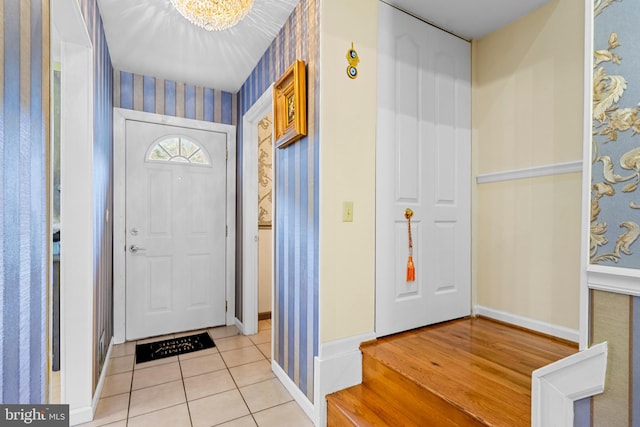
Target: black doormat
172	347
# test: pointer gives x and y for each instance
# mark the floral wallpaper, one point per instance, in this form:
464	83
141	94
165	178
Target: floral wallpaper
615	198
265	171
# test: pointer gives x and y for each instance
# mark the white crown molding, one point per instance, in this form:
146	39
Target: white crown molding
533	172
614	279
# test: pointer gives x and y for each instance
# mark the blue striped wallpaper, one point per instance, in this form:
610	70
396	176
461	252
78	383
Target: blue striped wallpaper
24	126
24	129
155	95
582	413
295	317
102	185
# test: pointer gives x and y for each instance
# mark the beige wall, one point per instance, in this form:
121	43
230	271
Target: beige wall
527	111
347	169
265	272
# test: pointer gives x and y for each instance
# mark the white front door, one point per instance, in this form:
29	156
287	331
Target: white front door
175	228
423	163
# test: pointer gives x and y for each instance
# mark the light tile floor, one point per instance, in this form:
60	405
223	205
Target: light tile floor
230	385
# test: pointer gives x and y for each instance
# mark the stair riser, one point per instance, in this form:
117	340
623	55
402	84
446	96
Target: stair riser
336	417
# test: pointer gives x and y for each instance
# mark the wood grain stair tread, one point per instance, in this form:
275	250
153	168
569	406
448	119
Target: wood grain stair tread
474	371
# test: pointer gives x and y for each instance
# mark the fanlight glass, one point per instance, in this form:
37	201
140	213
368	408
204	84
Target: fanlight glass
178	150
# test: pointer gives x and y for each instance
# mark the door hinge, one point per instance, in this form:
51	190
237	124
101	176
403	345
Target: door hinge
226	154
226	231
226	306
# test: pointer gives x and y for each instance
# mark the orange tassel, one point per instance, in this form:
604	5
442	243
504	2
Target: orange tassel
411	270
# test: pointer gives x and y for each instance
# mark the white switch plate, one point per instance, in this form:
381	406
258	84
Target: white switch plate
347	211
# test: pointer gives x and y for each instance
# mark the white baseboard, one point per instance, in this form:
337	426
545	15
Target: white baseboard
528	323
555	387
238	324
86	414
81	415
338	366
293	389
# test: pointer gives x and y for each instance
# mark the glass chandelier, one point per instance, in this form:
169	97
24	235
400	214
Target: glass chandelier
213	14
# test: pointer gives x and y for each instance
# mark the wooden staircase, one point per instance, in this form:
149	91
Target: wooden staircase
467	372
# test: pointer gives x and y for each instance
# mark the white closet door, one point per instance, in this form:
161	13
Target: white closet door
423	163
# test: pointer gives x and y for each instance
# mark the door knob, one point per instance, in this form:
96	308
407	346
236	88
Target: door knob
134	249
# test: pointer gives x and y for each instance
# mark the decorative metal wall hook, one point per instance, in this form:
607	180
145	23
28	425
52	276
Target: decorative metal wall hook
353	60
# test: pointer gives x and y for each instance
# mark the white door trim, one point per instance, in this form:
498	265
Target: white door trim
587	123
250	120
120	116
76	203
555	387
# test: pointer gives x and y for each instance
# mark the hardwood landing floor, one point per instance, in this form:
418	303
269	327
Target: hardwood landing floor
472	371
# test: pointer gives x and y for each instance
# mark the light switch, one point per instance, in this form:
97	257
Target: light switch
347	212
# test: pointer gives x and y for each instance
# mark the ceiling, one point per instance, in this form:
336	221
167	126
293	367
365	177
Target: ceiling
469	19
149	37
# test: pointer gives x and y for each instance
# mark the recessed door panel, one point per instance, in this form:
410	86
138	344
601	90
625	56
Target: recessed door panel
445	266
445	138
159	290
200	201
160	194
199	275
407	125
404	289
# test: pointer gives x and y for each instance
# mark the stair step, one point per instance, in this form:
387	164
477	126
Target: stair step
415	397
469	372
362	406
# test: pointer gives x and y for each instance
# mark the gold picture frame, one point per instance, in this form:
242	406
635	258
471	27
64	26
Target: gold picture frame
290	105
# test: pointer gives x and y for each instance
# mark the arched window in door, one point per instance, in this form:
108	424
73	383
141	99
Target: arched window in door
178	149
